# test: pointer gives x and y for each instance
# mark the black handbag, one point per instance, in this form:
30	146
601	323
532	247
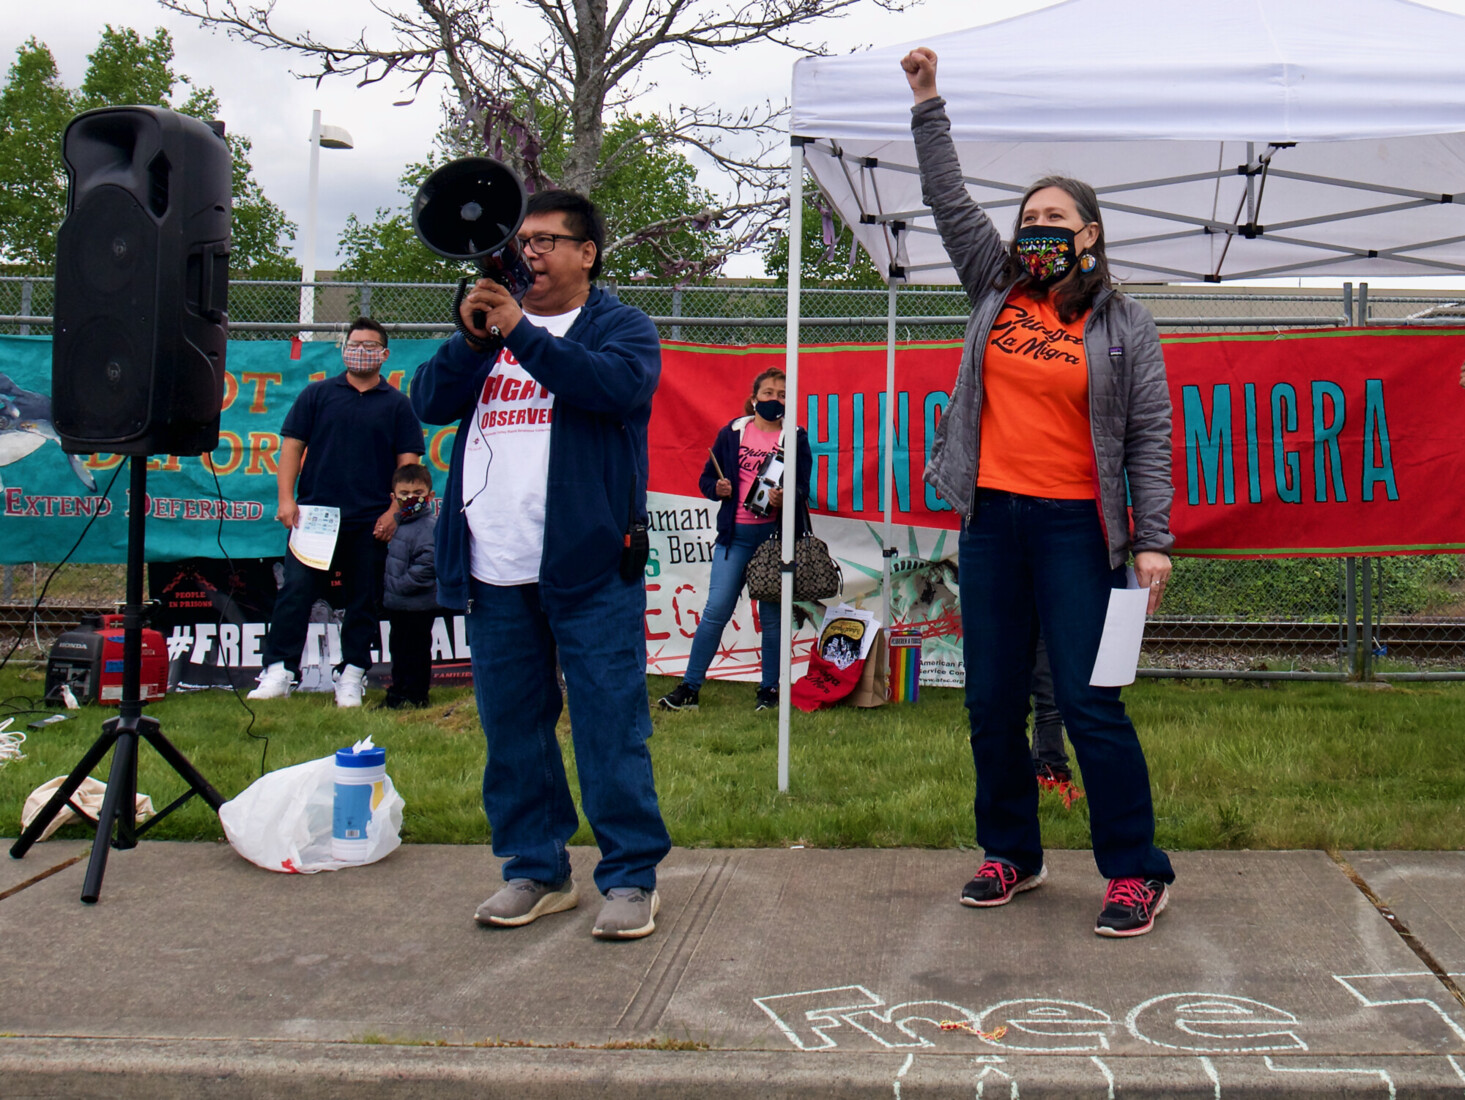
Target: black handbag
765	572
817	575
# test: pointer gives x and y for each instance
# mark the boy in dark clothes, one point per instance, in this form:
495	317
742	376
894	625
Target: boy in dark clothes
411	587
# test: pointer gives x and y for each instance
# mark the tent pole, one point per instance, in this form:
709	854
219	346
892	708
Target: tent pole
790	444
888	550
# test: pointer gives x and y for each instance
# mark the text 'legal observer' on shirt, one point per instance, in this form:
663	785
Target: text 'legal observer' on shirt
506	467
507	418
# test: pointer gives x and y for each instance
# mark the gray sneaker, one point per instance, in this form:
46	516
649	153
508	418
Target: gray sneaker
628	914
523	900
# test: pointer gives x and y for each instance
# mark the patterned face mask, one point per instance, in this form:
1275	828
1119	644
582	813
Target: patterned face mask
364	358
1047	252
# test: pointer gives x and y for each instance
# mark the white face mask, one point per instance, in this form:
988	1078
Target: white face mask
363	358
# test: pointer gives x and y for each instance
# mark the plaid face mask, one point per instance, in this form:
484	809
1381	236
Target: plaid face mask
363	358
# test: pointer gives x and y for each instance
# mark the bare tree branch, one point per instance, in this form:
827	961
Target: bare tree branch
585	65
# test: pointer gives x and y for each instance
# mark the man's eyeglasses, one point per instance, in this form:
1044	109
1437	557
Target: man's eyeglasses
365	344
543	243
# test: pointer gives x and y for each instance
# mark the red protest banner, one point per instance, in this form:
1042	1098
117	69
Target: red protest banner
841	405
1318	443
1285	444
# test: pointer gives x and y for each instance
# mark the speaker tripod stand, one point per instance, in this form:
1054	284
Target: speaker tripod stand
122	734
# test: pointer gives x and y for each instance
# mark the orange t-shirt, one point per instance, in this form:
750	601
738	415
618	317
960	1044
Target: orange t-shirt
1036	438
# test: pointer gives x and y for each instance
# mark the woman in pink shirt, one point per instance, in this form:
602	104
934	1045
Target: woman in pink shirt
744	448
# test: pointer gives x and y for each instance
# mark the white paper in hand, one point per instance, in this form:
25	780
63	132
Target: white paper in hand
313	538
1124	630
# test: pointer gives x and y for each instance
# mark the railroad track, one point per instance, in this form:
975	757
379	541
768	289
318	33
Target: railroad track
1402	638
1437	639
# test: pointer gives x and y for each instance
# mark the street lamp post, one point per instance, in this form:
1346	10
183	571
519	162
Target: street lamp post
321	137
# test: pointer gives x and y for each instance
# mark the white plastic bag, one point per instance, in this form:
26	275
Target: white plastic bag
282	821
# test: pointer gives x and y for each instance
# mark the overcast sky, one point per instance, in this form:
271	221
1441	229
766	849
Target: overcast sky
262	100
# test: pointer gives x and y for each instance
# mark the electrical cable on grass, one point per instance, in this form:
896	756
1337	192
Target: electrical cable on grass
35	607
35	625
10	710
219	632
10	743
7	706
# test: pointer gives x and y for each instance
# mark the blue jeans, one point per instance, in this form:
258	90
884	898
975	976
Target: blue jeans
1026	561
1047	722
729	567
515	633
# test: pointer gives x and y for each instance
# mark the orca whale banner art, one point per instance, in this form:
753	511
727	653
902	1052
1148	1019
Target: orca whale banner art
204	506
1285	444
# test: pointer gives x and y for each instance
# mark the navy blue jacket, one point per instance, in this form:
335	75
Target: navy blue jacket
725	447
602	373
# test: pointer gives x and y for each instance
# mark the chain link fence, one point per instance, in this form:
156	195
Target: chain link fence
1333	618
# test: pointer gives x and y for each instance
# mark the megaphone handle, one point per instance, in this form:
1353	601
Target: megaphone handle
479	344
479	317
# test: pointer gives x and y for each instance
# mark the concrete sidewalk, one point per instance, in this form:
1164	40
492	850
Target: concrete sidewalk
787	973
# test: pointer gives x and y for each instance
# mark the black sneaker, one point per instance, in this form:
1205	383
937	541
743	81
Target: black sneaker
995	883
1052	776
681	697
1131	906
767	699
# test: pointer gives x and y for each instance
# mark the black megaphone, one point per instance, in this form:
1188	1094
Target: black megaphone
470	210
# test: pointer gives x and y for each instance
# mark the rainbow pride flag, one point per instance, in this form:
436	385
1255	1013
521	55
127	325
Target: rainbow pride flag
905	665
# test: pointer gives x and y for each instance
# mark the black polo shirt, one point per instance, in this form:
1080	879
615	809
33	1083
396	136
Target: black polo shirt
352	440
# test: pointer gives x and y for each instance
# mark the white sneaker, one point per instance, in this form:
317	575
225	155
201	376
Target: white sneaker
349	685
275	682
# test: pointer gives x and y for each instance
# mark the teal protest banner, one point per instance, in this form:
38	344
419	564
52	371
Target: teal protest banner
196	504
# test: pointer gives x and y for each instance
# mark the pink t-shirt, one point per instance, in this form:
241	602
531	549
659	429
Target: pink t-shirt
755	449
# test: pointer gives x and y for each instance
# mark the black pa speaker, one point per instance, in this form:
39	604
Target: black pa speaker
142	284
471	209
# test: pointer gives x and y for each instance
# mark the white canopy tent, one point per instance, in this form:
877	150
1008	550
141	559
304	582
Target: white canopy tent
1227	140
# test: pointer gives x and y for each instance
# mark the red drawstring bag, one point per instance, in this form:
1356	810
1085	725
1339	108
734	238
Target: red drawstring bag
824	684
835	664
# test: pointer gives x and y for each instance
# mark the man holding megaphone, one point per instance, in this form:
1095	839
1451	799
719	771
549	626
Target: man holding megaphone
542	540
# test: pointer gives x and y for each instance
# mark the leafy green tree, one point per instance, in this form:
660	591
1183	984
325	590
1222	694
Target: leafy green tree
659	224
260	235
125	68
34	109
386	249
823	265
649	197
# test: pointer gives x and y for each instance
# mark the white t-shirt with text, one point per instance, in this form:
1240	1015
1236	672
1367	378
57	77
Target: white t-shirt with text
506	468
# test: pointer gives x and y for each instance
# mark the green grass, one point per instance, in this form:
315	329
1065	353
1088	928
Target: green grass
1232	765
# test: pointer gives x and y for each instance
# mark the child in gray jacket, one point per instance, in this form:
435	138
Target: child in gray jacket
410	590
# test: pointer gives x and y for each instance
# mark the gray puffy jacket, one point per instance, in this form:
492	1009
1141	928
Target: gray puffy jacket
1129	399
410	582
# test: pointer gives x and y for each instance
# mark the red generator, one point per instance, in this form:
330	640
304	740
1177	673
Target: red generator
89	661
